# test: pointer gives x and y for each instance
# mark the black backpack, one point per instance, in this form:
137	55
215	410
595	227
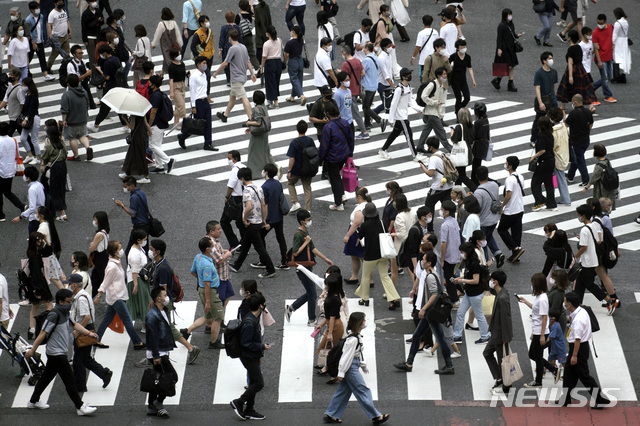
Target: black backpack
233	337
595	325
310	159
610	179
40	319
349	40
608	247
373	33
333	359
62	72
419	100
166	110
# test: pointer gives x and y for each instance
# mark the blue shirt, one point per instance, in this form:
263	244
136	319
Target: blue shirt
450	234
188	17
31	20
272	190
343	99
295	151
138	207
336	143
370	79
205	269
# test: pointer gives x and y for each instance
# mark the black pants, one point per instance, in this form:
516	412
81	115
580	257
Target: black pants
164	366
85	86
253	237
427	337
494	346
41	57
463	178
544	174
401	126
146	227
452	289
57	364
256	381
475	163
333	171
225	224
536	354
461	92
586	281
366	107
282	242
83	361
432	198
511	222
5	191
103	112
580	371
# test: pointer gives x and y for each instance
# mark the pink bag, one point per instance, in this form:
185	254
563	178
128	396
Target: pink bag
555	181
349	176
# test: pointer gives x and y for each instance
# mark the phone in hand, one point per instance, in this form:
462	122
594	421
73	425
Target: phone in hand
517	296
315	332
236	248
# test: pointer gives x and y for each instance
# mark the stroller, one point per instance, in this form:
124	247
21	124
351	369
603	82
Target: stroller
17	347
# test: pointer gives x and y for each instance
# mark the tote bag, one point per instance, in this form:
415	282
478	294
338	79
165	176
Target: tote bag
511	371
387	248
459	154
349	176
500	69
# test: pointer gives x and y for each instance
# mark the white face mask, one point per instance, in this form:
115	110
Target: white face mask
602	27
552	281
308	224
429	219
103	56
37	11
166	301
346	83
264	174
483	243
580	219
328	49
21	33
95	223
13	18
509	18
506	167
550	62
116	41
492	284
207	24
150	254
179	58
463	256
125	190
121	253
589	38
326	275
24	178
230	162
94	5
463	50
389	50
242	292
143	243
442	80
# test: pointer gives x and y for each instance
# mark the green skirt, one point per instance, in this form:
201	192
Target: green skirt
138	304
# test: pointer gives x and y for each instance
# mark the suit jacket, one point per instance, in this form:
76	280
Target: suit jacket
500	325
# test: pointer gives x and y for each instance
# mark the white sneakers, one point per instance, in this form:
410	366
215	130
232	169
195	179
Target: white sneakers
85	410
143	180
125	129
49	77
295	207
39	405
92	128
336	207
384	154
419	157
122	175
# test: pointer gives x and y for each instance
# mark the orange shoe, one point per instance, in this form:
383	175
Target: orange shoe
596	103
610	99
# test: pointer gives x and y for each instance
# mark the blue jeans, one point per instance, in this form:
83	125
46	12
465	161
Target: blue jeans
546	18
296	75
298	13
309	297
578	162
563	187
606	74
421	329
438	331
492	244
386	92
353	383
474	302
119	307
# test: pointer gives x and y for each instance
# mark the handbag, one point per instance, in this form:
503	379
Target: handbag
193	126
97	79
323	354
539	7
83	341
305	60
489	155
139	60
517	46
67	185
173	42
546	100
500	69
349	176
440	312
459	154
511	371
159	382
387	249
306	258
117	325
267	318
265	123
19	161
533	165
24	117
157	229
233	209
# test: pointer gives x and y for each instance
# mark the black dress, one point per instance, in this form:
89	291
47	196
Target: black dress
506	41
39	289
135	162
582	81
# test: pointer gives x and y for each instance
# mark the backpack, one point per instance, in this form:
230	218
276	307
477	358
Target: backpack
40	319
484	277
373	33
141	89
166	110
62	72
176	289
245	27
310	159
496	205
349	40
423	86
595	325
284	205
233	337
450	172
333	359
610	179
609	247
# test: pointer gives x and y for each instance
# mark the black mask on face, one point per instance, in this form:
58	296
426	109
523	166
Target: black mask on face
59	5
408	78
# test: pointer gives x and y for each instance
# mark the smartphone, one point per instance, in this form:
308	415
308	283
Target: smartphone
516	295
315	332
236	248
451	127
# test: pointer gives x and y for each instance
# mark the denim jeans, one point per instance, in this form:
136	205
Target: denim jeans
474	302
578	162
119	307
546	18
606	74
492	244
438	331
353	383
309	297
33	132
298	13
421	329
563	187
296	75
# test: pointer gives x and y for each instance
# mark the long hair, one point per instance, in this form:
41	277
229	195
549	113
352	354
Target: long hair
55	239
103	221
334	285
356	321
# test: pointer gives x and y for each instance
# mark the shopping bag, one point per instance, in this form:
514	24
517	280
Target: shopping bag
459	154
159	382
555	181
19	161
500	69
387	248
489	155
117	325
349	176
511	371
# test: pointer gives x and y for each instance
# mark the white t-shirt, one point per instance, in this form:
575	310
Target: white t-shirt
59	21
589	258
322	59
516	202
73	67
297	3
449	32
360	38
135	262
422	38
234	182
4	296
435	164
539	307
322	33
385	71
43	228
19	51
587	55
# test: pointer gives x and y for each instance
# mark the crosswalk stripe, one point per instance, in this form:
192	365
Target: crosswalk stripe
231	375
423	367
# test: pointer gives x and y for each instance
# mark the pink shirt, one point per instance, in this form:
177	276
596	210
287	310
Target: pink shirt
113	284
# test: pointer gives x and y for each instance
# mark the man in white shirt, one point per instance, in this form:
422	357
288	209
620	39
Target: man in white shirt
435	99
587	48
385	75
59	32
322	69
577	365
439	190
233	201
512	208
5	311
199	104
360	38
590	234
424	42
449	31
36	199
8	149
76	66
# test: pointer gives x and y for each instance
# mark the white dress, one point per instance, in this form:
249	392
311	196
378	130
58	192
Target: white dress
621	52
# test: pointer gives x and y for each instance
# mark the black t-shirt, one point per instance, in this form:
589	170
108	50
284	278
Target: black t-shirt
370	231
245	15
389	213
329	7
332	306
545	142
177	72
318	111
472	268
459	66
579	120
109	68
574	52
294	47
157	102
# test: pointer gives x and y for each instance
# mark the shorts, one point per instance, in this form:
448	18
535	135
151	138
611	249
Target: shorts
237	90
225	290
216	313
76	131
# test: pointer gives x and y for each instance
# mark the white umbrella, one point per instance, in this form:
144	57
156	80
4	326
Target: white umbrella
126	101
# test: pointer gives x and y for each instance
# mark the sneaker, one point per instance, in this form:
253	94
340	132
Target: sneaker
283	267
85	410
287	313
89	154
404	367
537	207
637	220
221	116
537	40
143	180
193	355
253	415
107	378
510	259
481	341
500	260
445	370
557	375
596	103
295	207
149	159
582	184
562	38
216	345
456	306
143	363
610	99
418	158
170	165
72	158
569	180
453	355
156	170
363	137
468	326
497	384
258	265
39	405
267	274
49	77
233	267
237	406
125	129
92	128
339	207
312	323
533	384
384	154
457	340
561	23
160	410
497	391
24	303
517	253
615	304
122	175
552	209
383	125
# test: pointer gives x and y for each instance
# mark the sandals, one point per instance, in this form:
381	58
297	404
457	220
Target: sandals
363	302
328	419
394	304
322	373
332	381
380	419
351	281
62	218
290	99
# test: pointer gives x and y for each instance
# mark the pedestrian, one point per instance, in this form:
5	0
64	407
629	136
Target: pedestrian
351	381
330	7
80	264
331	317
323	74
561	152
14	100
140	51
200	107
512	212
108	70
603	56
57	326
232	210
98	250
460	64
190	11
160	343
167	35
295	170
271	66
506	51
258	125
575	80
597	177
463	134
262	21
177	76
361	38
254	215
424	42
481	138
74	107
237	63
401	18
158	123
437	59
224	43
135	161
546	18
252	352
59	31
544	80
620	39
545	167
472	222
559	255
352	246
8	164
47	228
370	86
54	163
6	313
220	259
373	11
301	243
77	66
35	195
448	30
404	220
449	246
434	96
487	192
91	22
295	64
385	75
440	189
272	189
138	208
576	9
295	9
344	99
501	329
124	51
38	32
580	122
202	45
37	292
325	30
389	214
18	52
384	26
353	67
244	20
137	287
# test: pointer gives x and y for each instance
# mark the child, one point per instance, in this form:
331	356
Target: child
557	348
177	76
587	49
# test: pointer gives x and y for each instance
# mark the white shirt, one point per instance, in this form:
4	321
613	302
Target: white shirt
36	199
400	103
135	262
143	47
587	55
59	21
82	306
539	307
39	38
589	258
435	164
8	151
360	38
4	297
422	38
234	182
297	3
322	33
323	60
449	32
19	52
580	326
197	86
352	349
385	70
515	204
73	67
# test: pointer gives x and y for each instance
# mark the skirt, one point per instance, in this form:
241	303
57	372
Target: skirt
582	85
55	270
353	247
272	74
138	304
57	184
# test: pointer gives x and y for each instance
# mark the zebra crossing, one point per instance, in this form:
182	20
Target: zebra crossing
298	354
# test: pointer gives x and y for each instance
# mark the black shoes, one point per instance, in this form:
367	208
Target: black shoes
181	139
210	148
511	87
537	40
185	333
237	406
216	345
107	378
499	260
496	83
221	116
404	367
468	326
445	370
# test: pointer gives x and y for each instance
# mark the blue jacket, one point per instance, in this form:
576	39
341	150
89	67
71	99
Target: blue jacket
251	340
32	25
158	336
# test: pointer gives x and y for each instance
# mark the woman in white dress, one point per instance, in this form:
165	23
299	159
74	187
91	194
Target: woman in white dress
621	52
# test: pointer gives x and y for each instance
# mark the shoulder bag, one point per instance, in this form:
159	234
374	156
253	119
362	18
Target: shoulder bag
159	382
305	59
83	341
440	311
156	228
196	12
387	249
305	258
193	125
139	60
496	205
19	161
173	42
511	371
265	123
533	165
330	82
516	44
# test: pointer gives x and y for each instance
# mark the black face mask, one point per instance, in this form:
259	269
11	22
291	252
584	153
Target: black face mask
408	78
59	5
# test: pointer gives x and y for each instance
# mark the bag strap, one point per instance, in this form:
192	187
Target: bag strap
354	73
425	43
257	195
592	234
327	32
195	11
146	206
519	183
490	196
322	71
372	60
89	304
168	33
17	151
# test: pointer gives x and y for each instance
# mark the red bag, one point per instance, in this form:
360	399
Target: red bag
117	325
349	176
19	161
500	69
